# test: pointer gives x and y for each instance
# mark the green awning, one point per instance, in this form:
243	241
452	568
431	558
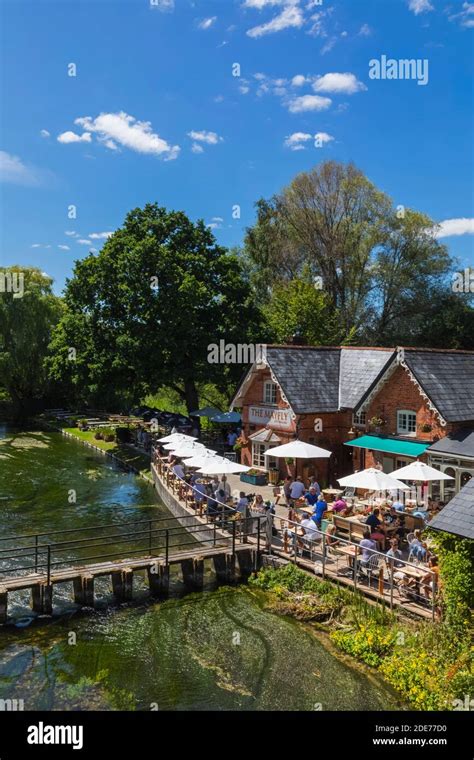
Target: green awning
390	445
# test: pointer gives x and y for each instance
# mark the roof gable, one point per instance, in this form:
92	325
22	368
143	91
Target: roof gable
360	369
447	378
309	377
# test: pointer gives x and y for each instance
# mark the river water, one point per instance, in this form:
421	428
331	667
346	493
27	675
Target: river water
217	650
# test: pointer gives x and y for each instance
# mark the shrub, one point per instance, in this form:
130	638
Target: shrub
370	643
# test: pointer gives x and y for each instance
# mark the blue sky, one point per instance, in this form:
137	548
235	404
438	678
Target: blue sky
154	112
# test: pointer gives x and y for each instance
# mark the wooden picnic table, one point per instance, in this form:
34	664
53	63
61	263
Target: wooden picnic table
332	492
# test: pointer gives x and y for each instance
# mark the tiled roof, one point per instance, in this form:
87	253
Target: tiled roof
458	515
459	444
309	377
447	378
325	379
360	367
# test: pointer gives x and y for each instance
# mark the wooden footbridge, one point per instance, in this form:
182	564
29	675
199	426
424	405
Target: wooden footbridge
39	562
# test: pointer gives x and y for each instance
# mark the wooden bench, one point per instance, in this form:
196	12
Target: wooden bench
349	529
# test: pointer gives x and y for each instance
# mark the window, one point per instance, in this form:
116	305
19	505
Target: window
269	393
258	456
359	418
406	422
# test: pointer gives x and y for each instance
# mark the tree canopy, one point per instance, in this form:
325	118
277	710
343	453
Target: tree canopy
27	318
142	313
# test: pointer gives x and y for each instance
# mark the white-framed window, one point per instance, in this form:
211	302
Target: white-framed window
359	418
269	392
406	422
258	456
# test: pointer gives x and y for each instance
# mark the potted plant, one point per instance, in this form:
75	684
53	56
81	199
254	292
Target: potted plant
255	477
377	423
425	427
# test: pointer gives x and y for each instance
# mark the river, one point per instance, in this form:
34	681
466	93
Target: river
217	650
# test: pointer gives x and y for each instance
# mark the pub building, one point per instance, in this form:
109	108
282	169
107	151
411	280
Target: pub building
381	407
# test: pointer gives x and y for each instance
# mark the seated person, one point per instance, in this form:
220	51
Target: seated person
319	509
311	497
339	506
311	532
377	529
398	505
242	503
313	483
368	547
297	489
331	539
199	492
430	581
178	470
396	522
393	559
258	505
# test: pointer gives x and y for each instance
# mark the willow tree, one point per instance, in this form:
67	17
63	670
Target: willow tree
29	311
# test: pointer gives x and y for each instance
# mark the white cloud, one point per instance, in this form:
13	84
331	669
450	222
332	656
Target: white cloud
308	103
84	241
71	137
420	6
259	4
463	226
121	128
465	17
296	140
196	148
162	5
100	235
45	133
13	170
334	82
323	138
206	23
70	233
365	31
40	245
64	247
290	17
210	138
298	81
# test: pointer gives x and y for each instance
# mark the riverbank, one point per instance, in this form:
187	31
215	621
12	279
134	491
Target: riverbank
429	666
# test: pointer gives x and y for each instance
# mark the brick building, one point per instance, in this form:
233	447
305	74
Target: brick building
380	407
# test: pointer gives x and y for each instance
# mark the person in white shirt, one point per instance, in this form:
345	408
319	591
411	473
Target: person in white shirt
310	529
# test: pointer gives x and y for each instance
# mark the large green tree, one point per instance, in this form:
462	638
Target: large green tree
28	313
381	266
142	313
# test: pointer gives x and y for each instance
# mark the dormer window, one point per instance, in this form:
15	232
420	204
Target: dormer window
269	393
406	422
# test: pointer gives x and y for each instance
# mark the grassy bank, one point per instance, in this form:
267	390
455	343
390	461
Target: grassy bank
125	453
429	665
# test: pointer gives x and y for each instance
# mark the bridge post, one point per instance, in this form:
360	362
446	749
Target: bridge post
247	562
84	590
159	579
122	584
3	605
193	573
42	598
224	566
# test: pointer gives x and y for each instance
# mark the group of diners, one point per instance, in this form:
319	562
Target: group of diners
212	495
385	533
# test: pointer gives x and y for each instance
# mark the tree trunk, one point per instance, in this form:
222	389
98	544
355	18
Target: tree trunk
191	396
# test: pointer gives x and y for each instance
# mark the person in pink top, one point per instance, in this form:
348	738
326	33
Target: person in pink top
339	506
